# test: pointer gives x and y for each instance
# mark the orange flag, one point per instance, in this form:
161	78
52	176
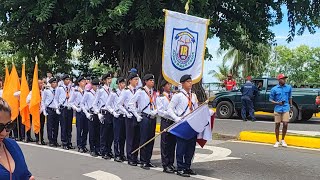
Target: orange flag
35	101
6	80
24	109
12	86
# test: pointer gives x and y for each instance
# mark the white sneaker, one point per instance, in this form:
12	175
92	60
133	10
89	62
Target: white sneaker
283	143
276	144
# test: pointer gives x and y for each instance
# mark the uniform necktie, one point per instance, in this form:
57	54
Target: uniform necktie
68	95
54	92
134	91
189	101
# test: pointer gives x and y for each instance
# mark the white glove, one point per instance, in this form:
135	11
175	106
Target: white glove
177	119
101	118
129	115
58	111
45	113
153	113
115	114
139	118
96	111
78	109
88	115
69	106
211	112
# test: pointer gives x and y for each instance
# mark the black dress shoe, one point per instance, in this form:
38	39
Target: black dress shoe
118	159
57	145
168	170
139	162
132	163
52	145
151	165
30	140
183	174
85	149
71	147
190	171
106	157
123	158
110	155
38	143
173	168
80	150
145	166
25	141
43	143
93	154
99	154
65	147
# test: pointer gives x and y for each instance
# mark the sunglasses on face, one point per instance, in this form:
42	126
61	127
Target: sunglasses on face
9	126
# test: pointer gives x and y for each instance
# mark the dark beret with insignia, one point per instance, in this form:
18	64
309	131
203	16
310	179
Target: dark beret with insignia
95	81
81	78
184	78
163	83
148	77
105	76
132	75
52	80
66	76
120	79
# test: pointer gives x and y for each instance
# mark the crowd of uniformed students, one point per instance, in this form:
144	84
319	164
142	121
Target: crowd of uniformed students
124	117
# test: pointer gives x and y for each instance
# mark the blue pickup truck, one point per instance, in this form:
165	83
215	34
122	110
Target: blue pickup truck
304	101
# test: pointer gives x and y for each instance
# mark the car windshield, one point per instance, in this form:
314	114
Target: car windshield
272	83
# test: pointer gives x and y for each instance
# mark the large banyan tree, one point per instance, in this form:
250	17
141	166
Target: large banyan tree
129	33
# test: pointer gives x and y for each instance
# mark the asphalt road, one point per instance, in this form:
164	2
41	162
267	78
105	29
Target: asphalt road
226	160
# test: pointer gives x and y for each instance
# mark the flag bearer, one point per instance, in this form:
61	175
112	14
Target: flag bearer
64	91
132	126
50	105
168	140
143	107
106	126
119	128
93	120
81	119
181	104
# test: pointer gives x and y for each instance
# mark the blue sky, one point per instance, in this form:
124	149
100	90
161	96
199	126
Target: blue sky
281	32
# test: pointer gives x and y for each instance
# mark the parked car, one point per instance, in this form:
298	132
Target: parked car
305	101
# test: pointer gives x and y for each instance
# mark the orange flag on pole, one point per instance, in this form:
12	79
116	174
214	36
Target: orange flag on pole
11	87
6	80
24	109
35	101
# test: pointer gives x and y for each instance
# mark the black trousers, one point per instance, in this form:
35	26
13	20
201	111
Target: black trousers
106	134
168	144
39	136
185	151
82	129
147	131
119	131
94	134
52	125
66	117
132	138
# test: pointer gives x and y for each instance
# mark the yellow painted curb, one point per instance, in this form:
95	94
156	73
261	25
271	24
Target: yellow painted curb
270	138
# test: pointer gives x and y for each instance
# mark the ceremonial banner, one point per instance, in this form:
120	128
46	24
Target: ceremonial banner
24	109
184	46
35	101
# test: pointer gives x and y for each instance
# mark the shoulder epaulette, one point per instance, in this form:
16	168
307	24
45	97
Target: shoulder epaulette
88	90
76	90
114	90
126	88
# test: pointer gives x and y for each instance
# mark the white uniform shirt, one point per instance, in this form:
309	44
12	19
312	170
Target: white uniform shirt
179	104
142	99
162	105
87	101
76	97
49	99
61	95
1	92
101	98
112	101
123	101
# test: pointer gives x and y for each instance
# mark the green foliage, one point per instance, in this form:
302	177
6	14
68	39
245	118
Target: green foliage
222	73
300	64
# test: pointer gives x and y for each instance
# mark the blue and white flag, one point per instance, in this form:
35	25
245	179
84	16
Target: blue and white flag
184	46
197	122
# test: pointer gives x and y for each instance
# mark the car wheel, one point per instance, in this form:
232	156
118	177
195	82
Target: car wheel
293	114
224	110
306	116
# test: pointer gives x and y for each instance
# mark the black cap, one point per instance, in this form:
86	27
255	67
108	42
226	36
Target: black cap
52	80
132	75
163	83
120	79
184	78
95	81
105	76
148	77
66	76
81	78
